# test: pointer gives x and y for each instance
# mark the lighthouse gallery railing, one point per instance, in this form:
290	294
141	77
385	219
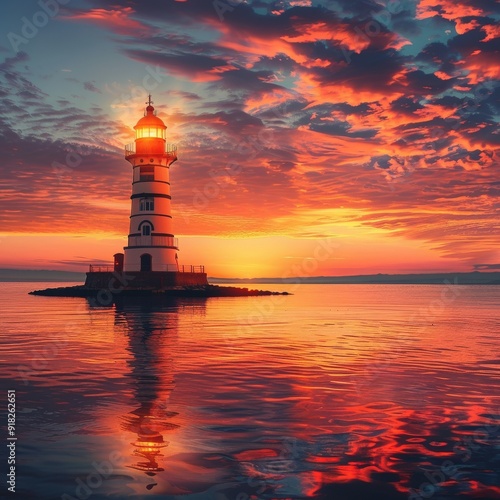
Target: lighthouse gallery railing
153	241
170	149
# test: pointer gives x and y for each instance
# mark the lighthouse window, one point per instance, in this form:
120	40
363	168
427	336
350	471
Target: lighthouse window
150	132
146	230
147	204
147	173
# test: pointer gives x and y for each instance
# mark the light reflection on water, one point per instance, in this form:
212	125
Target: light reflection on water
339	391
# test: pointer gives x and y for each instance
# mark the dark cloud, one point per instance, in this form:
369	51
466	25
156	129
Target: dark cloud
403	19
90	86
428	83
468	42
185	13
325	119
247	21
284	166
448	101
439	56
244	81
232	122
370	70
360	109
190	96
380	161
341	128
276	64
283	112
407	105
365	9
189	65
486	267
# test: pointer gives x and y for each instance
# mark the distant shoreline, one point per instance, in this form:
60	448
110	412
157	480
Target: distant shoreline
473	278
35	275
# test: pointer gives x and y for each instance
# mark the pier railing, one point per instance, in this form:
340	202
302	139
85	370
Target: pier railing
182	268
173	268
100	269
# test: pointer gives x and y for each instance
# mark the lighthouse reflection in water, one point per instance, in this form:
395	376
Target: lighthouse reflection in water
151	329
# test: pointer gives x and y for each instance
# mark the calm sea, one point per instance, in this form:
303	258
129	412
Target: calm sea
336	392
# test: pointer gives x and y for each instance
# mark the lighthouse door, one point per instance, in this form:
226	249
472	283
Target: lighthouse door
146	262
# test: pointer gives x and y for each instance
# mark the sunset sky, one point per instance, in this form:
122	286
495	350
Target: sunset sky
370	127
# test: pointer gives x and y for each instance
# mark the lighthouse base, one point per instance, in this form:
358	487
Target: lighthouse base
104	287
144	280
112	294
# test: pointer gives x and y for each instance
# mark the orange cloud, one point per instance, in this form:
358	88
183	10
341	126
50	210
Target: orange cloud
118	21
342	33
448	9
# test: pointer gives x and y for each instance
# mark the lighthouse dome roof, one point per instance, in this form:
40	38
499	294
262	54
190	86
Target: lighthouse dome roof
150	120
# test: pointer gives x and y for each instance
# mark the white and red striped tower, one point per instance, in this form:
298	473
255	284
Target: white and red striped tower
151	243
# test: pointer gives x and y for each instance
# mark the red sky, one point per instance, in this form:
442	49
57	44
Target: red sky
369	127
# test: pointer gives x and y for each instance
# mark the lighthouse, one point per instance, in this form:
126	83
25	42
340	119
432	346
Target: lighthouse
150	264
151	244
150	261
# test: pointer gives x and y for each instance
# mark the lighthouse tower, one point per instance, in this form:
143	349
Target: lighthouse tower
151	243
150	259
